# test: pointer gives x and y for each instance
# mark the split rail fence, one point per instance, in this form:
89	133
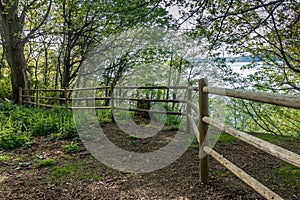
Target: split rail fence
200	129
66	99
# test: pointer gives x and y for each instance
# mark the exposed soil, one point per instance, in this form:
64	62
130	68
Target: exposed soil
80	176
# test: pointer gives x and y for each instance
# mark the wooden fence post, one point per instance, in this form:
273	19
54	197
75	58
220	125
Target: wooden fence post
20	95
37	98
66	98
112	103
188	110
203	112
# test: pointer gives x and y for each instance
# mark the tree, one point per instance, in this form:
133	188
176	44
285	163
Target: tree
268	29
84	25
265	29
14	33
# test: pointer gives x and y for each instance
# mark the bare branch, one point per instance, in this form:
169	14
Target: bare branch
32	32
248	10
281	48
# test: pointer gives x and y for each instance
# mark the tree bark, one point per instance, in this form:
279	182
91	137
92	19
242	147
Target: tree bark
13	46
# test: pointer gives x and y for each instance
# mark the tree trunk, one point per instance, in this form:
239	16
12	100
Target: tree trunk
19	77
14	50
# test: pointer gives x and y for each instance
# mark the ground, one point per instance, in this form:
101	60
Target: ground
46	171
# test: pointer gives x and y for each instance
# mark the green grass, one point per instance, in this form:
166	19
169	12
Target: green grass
71	148
194	146
226	139
4	158
289	175
79	171
45	163
133	137
19	123
275	139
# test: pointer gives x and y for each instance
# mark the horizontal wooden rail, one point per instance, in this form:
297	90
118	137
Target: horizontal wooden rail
49	106
195	127
47	90
91	88
150	111
151	100
52	98
28	96
40	104
151	87
270	98
256	185
194	107
90	108
276	151
28	102
89	98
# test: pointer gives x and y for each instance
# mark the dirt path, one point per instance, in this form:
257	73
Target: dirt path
80	176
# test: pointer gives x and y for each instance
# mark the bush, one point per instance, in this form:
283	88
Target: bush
17	123
104	116
5	88
11	140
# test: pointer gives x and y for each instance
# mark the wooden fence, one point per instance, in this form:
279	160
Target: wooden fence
205	121
66	99
200	129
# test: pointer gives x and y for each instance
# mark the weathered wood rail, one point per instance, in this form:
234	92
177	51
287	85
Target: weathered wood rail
204	121
65	98
200	129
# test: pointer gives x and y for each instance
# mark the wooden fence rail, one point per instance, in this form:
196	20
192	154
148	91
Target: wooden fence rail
66	99
204	121
200	130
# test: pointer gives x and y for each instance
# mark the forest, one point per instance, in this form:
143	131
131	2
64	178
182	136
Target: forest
53	51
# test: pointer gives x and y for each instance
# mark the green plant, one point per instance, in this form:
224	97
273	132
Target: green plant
226	139
5	88
133	137
71	148
45	163
173	120
289	174
104	116
4	158
68	129
80	170
11	140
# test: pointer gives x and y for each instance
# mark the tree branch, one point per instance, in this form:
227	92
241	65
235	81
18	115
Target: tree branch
32	32
281	48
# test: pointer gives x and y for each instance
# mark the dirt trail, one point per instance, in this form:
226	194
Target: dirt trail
80	176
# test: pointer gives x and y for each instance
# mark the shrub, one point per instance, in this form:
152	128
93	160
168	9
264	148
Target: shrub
5	88
35	122
11	140
68	129
104	116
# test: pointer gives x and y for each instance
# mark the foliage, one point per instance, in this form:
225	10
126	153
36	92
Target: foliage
267	30
289	174
263	118
104	116
19	123
71	148
11	140
80	170
45	163
4	158
5	88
